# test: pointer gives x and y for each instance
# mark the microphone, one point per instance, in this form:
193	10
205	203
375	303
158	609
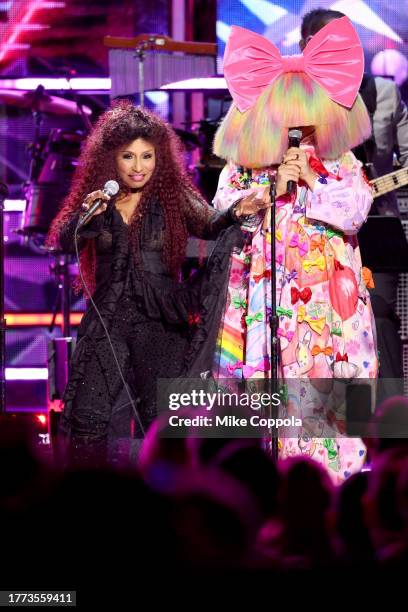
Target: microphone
111	188
294	138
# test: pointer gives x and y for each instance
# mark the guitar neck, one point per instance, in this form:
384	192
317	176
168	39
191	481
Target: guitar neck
389	182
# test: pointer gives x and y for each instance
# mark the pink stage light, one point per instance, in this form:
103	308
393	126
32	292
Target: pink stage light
31	7
17	46
15	205
202	83
58	83
26	373
52	5
34	27
42	418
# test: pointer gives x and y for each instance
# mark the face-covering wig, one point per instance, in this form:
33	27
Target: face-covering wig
259	136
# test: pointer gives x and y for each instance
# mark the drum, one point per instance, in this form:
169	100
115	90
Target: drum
45	195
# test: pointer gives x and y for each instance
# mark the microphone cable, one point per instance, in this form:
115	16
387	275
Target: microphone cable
88	293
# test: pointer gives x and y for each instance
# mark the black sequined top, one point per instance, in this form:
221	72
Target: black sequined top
147	281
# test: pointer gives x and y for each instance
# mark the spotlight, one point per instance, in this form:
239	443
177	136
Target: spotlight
42	419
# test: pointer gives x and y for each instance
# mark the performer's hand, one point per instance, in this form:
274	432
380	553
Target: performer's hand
298	157
256	201
288	171
90	199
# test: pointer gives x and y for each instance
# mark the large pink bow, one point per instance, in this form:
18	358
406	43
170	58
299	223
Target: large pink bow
333	58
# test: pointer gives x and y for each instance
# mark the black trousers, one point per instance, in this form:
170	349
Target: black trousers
384	301
100	410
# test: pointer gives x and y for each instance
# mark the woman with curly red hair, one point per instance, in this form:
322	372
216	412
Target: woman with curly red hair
131	252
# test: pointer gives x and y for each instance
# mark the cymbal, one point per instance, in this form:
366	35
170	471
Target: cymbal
40	101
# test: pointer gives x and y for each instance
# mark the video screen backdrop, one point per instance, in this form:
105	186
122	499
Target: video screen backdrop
381	25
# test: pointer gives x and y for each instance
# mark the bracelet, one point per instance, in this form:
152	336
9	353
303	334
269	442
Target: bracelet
232	211
250	220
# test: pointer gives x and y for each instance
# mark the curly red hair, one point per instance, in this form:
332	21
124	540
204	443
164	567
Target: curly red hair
170	185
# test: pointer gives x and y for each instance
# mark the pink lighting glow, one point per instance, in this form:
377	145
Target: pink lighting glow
32	7
23	22
80	83
201	83
15	205
17	46
34	27
26	373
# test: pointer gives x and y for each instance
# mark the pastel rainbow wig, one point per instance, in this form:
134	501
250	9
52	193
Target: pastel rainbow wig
258	137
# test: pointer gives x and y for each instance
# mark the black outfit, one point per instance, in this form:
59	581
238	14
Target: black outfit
146	312
384	295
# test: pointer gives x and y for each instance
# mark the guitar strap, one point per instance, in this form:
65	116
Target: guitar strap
367	150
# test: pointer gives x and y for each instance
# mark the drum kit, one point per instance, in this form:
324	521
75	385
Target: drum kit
52	163
40	102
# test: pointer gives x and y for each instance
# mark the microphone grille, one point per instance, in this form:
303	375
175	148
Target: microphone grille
111	188
295	133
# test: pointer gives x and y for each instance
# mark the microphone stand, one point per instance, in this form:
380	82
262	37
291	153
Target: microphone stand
3	195
86	121
273	320
295	136
140	53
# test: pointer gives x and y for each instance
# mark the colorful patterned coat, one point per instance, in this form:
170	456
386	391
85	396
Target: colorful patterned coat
326	324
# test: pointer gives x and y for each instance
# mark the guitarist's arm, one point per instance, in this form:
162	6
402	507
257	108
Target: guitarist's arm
401	127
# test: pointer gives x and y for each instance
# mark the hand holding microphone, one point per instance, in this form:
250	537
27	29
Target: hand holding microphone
288	173
294	138
95	202
294	167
